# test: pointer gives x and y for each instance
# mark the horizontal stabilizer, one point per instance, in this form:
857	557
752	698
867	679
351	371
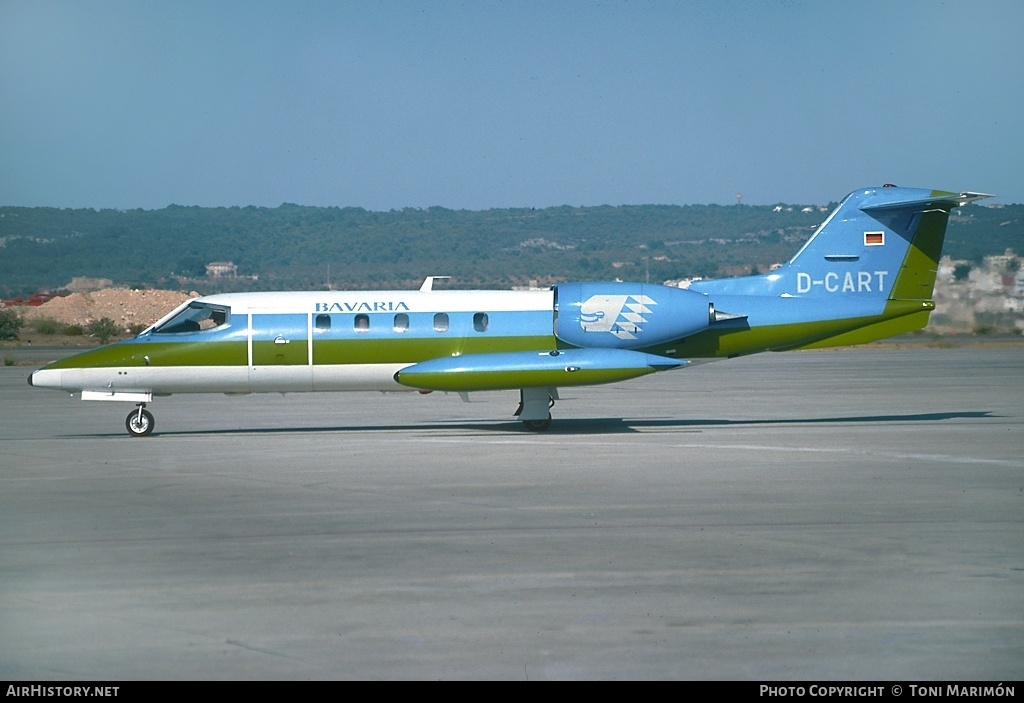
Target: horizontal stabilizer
936	198
530	369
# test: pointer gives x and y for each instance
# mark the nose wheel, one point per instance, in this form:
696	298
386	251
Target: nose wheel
139	422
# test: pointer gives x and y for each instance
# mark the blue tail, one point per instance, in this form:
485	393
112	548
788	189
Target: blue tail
879	243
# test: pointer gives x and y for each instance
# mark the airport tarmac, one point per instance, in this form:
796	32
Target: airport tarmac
834	515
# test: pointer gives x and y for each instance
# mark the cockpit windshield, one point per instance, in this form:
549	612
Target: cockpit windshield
196	317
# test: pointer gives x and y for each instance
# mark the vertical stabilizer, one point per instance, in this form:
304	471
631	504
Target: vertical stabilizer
879	243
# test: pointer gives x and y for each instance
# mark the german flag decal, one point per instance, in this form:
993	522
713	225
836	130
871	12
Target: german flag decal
874	239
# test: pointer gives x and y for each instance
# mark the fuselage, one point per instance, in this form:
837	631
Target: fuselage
333	341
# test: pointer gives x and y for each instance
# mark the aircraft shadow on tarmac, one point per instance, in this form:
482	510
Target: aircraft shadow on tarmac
584	426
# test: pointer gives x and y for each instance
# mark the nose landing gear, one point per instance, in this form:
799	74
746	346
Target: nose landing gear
139	422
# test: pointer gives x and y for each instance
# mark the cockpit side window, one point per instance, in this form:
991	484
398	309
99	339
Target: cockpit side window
197	317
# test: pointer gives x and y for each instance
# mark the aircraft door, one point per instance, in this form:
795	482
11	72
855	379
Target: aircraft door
279	353
280	340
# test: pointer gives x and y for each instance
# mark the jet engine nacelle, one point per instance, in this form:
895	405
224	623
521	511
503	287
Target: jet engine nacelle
628	315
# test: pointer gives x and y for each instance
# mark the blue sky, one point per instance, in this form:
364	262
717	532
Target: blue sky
477	104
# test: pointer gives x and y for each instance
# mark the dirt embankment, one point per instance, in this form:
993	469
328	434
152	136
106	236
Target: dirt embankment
124	306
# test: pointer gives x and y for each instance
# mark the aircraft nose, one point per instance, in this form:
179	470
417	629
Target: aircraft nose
46	378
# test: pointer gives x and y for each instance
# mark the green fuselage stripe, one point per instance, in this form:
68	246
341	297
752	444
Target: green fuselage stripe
898	317
399	350
130	354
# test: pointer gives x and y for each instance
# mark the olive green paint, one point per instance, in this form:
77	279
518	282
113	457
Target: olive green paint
870	333
501	380
389	350
898	317
399	350
132	353
916	279
269	353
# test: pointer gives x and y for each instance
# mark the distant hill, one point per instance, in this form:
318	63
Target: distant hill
299	247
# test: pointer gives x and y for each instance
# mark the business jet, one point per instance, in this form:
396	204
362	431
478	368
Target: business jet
867	273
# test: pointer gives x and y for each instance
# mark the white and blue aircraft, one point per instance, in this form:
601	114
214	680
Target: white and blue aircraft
867	273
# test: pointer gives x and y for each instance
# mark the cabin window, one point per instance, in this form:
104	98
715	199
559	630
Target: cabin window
441	322
322	323
196	317
361	323
480	322
401	322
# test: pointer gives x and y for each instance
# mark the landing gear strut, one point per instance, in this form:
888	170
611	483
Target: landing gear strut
139	422
535	407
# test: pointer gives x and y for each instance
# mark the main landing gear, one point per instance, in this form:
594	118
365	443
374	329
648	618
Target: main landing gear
535	407
538	425
140	421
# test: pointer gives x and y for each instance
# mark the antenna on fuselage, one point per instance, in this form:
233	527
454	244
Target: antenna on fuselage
428	283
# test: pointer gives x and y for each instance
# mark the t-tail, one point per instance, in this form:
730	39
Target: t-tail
872	262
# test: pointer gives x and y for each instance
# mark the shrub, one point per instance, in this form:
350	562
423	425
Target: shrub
10	323
47	325
104	329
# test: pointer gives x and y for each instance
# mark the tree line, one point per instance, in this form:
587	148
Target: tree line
301	247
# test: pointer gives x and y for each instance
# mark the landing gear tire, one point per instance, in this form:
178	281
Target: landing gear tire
139	422
538	425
